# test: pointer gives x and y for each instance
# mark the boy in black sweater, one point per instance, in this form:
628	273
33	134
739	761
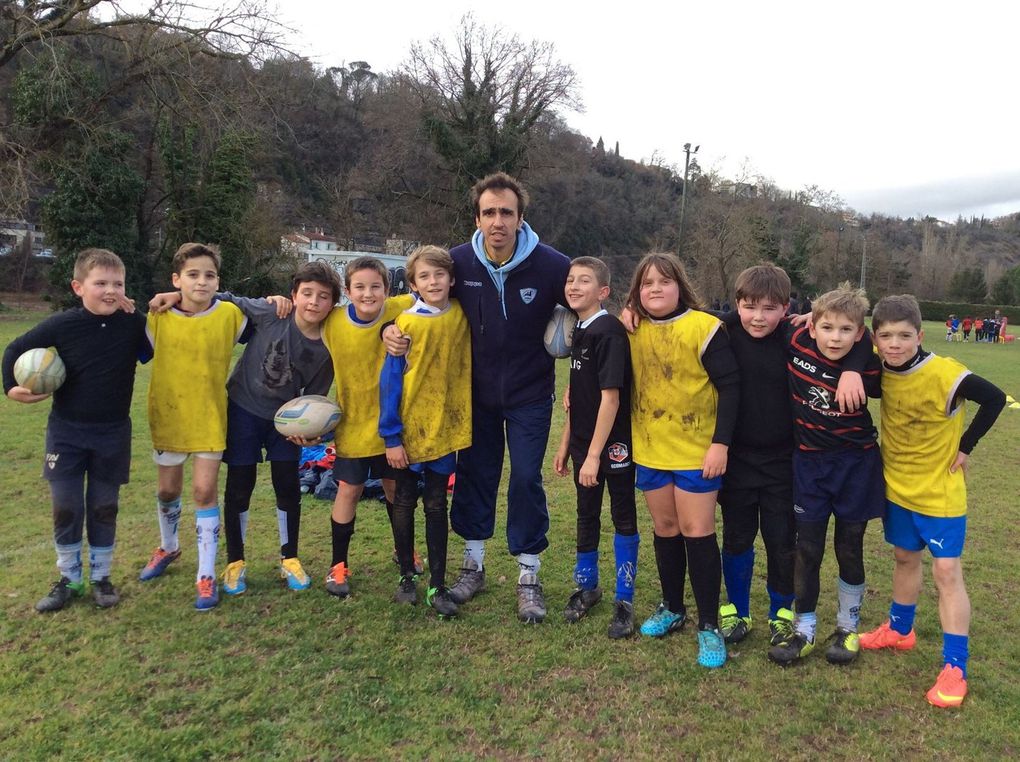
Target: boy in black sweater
89	428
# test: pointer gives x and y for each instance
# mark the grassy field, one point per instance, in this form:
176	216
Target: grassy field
303	675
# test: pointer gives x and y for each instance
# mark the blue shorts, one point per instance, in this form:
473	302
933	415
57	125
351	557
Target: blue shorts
647	479
356	471
907	529
248	435
102	450
847	484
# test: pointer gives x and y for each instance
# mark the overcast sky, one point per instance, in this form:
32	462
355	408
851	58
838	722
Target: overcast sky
899	107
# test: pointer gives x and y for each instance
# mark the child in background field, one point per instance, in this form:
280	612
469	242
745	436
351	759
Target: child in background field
836	470
684	408
597	438
351	334
89	427
193	345
967	324
425	418
924	453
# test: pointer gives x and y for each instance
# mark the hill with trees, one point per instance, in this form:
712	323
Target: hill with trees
139	133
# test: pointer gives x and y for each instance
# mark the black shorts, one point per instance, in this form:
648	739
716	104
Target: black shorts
102	450
358	470
846	483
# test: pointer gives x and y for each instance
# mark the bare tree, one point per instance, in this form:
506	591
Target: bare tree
484	93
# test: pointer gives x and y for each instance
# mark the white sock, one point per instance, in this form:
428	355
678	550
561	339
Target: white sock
474	550
100	561
850	598
169	515
805	625
69	561
528	563
207	522
281	522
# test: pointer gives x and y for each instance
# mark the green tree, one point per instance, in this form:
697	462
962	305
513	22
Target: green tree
1006	289
968	285
96	192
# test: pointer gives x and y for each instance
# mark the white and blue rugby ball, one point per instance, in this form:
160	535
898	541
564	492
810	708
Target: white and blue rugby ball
559	334
308	417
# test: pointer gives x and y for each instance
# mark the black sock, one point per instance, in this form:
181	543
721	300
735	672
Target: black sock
671	560
706	578
342	534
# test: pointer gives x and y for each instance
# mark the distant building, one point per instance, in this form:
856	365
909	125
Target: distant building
13	232
316	246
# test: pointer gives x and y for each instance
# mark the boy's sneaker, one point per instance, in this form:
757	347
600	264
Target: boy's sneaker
419	564
407	591
885	636
233	578
711	649
470	582
104	593
663	622
781	628
60	595
791	650
843	647
950	688
158	563
733	626
530	600
294	574
580	603
208	596
622	623
439	599
336	580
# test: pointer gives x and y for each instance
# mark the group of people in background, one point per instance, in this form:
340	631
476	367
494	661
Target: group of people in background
990	329
761	414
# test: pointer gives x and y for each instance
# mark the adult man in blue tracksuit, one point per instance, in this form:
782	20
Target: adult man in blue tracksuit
508	284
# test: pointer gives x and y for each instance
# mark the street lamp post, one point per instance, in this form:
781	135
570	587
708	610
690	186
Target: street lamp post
683	196
864	259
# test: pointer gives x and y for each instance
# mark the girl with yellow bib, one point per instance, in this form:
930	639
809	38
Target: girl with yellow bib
683	408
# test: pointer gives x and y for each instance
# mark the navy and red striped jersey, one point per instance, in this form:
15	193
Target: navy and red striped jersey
818	422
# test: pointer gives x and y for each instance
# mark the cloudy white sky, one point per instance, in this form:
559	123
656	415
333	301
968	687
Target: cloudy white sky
899	107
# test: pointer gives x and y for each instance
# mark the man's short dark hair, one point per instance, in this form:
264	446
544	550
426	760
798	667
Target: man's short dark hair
499	181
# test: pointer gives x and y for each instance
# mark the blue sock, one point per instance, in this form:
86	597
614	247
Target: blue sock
737	572
955	651
901	617
778	601
625	549
586	570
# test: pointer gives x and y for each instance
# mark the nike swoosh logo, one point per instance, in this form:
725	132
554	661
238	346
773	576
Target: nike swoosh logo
826	375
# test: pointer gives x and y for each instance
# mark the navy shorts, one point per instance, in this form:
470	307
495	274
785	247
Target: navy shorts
102	450
358	470
846	483
248	434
